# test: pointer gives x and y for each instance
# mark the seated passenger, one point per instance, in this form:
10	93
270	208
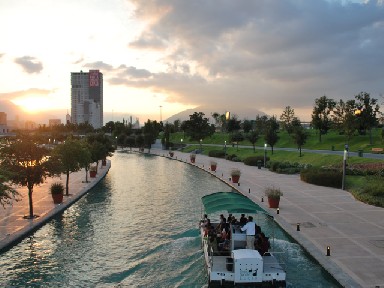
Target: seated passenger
243	220
262	244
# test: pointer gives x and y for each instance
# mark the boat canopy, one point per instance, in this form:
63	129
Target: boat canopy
232	202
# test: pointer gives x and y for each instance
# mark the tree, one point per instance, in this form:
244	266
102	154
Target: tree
7	193
100	146
68	155
321	118
261	123
197	127
287	118
150	131
367	118
300	137
27	164
236	138
233	124
85	158
271	137
253	136
247	126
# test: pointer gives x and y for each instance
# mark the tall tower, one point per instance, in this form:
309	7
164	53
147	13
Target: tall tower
87	98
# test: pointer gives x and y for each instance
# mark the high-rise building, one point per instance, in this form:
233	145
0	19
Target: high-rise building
87	98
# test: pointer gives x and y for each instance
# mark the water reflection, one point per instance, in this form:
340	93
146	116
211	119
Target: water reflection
138	227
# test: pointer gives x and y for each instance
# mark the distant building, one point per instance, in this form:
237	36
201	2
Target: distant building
3	123
68	119
54	122
87	98
30	125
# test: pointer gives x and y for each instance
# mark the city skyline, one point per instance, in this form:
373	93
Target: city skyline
184	54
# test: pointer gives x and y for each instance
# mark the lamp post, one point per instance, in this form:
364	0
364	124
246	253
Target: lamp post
225	149
201	149
344	168
265	153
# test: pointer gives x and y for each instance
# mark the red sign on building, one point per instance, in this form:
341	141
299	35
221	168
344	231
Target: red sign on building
93	78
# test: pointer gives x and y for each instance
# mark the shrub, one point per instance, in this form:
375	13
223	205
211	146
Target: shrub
273	192
57	188
287	167
216	153
235	172
252	161
322	177
372	192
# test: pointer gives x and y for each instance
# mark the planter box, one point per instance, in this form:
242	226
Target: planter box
57	198
92	174
213	167
235	178
273	202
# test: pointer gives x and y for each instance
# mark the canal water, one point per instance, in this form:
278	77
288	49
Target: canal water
137	228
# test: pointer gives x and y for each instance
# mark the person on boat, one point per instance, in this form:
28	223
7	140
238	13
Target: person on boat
221	226
212	243
208	227
203	223
229	219
262	244
243	220
250	229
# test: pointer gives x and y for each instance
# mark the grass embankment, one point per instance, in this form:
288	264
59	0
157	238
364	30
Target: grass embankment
369	189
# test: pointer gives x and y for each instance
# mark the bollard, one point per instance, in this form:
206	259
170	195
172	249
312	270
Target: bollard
238	184
262	199
298	227
249	190
328	251
278	211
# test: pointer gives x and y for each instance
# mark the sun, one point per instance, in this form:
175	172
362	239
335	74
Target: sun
33	104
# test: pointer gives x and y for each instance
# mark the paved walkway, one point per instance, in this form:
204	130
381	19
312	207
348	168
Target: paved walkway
354	231
13	226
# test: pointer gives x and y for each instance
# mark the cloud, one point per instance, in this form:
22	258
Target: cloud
23	93
98	65
29	64
268	53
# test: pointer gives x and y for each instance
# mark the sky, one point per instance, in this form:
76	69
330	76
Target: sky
159	57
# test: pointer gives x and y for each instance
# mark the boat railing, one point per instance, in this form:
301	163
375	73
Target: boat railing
280	256
210	258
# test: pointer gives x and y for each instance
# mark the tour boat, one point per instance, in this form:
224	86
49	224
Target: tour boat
236	265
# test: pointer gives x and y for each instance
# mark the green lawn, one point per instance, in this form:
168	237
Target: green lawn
355	184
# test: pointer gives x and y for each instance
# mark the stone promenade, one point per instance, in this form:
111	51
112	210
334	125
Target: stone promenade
14	227
354	231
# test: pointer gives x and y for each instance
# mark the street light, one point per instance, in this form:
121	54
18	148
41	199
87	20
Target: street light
225	149
265	153
344	168
200	145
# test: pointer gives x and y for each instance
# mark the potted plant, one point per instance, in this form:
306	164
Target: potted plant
57	192
92	171
213	165
235	174
171	153
192	157
273	195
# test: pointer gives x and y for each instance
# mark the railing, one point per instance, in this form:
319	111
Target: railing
280	256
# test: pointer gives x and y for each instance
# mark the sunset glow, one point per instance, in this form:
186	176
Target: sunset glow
263	55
